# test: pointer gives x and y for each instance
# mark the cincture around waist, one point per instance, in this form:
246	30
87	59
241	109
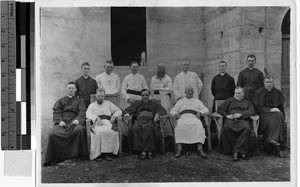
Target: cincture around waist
188	112
133	92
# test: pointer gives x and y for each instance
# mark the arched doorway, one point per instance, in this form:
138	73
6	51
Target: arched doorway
285	63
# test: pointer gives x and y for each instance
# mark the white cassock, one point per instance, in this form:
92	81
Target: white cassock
187	79
189	128
103	139
164	87
133	82
109	82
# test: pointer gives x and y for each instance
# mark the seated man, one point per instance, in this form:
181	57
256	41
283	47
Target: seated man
103	138
67	138
236	129
189	129
144	133
268	102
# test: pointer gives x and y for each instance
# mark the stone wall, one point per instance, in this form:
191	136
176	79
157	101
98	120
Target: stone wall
233	33
70	36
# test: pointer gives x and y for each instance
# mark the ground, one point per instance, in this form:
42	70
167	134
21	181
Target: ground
188	168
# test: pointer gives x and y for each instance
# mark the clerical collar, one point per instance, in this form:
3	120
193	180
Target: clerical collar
70	97
268	90
251	68
85	77
222	74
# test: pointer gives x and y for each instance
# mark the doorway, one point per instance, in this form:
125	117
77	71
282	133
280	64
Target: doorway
128	34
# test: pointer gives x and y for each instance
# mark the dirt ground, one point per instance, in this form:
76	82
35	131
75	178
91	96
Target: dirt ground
188	168
165	168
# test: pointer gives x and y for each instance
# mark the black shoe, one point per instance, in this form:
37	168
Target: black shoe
244	157
201	153
107	158
150	155
143	156
278	152
274	143
98	159
178	154
235	156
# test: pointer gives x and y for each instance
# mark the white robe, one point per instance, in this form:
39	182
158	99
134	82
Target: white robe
135	82
189	128
164	86
103	139
187	79
109	82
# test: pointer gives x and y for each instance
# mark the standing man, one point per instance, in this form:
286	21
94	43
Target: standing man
222	85
103	139
251	79
133	84
67	138
186	78
189	128
269	105
85	84
161	83
235	134
108	80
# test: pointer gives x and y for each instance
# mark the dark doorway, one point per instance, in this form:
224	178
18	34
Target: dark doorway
128	34
285	73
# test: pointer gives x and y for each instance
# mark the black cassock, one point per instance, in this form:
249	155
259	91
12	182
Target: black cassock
222	87
251	81
235	135
144	134
271	124
70	141
86	87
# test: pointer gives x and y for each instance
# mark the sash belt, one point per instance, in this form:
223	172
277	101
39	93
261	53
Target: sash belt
188	111
133	92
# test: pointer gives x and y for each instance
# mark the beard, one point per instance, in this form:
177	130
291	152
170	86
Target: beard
99	102
161	74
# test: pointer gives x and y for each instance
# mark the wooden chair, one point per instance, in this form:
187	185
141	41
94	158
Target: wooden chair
218	118
114	98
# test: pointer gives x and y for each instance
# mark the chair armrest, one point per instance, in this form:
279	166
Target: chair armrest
164	116
217	115
255	123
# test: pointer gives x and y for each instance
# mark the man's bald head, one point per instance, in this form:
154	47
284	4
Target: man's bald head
189	92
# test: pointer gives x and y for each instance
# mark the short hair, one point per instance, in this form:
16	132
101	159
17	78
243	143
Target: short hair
186	60
108	62
133	62
100	90
251	56
269	77
240	88
71	82
222	62
85	64
145	90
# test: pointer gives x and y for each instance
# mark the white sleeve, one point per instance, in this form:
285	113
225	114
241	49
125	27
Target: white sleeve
115	110
176	88
118	84
199	84
203	109
144	84
90	113
124	89
175	108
